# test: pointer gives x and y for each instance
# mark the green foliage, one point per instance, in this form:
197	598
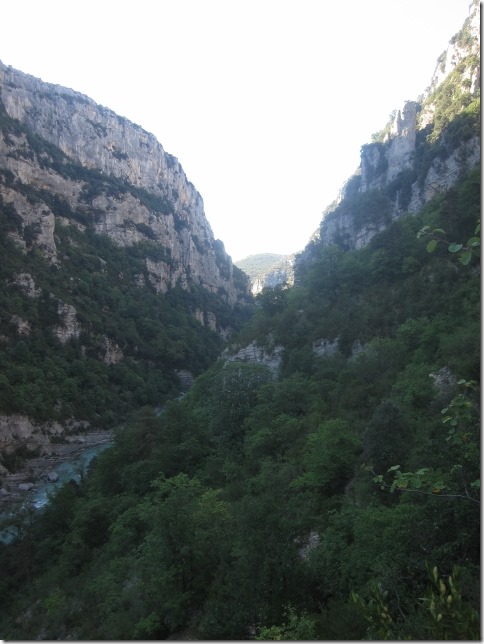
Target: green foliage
297	628
156	334
244	509
443	614
461	419
451	100
272	300
454	618
386	437
466	251
376	612
329	457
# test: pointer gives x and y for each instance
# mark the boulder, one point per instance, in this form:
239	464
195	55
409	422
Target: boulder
25	487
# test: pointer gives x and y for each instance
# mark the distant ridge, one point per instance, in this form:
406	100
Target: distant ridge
267	270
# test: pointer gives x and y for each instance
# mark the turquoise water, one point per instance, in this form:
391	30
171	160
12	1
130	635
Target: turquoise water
67	470
43	490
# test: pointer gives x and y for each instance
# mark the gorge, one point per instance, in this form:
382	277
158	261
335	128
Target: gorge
98	206
315	472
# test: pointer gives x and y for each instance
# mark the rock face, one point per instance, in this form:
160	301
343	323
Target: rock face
464	43
256	354
282	274
71	172
125	185
380	164
324	347
268	270
70	327
419	154
17	429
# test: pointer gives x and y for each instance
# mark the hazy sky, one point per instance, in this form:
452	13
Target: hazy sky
265	103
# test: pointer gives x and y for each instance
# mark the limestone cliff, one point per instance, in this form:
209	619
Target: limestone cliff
112	175
427	146
268	270
114	291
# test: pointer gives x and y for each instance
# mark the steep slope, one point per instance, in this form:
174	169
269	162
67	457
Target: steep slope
114	175
427	146
330	491
114	291
256	490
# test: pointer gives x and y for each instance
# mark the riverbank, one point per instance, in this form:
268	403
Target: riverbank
22	485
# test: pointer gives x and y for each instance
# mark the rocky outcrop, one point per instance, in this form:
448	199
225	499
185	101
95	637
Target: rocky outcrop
23	327
283	274
95	168
70	327
186	379
443	173
15	485
323	347
112	352
253	352
381	163
444	382
120	225
17	430
307	544
26	282
415	157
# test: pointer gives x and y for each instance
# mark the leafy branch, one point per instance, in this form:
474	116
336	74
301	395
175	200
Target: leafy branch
447	616
453	617
376	612
459	416
414	481
466	251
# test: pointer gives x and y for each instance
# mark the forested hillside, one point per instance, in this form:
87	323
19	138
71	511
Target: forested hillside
320	480
257	507
114	293
126	343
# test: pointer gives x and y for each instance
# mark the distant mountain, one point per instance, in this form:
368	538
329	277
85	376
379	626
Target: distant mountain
268	270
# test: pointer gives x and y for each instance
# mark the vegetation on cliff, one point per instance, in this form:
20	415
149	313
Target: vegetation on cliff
260	508
157	334
335	499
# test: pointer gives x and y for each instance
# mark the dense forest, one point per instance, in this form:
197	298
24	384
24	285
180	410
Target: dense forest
49	380
324	486
338	499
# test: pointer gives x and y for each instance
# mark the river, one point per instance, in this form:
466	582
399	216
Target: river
67	470
43	490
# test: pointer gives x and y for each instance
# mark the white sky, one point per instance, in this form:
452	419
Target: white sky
265	103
